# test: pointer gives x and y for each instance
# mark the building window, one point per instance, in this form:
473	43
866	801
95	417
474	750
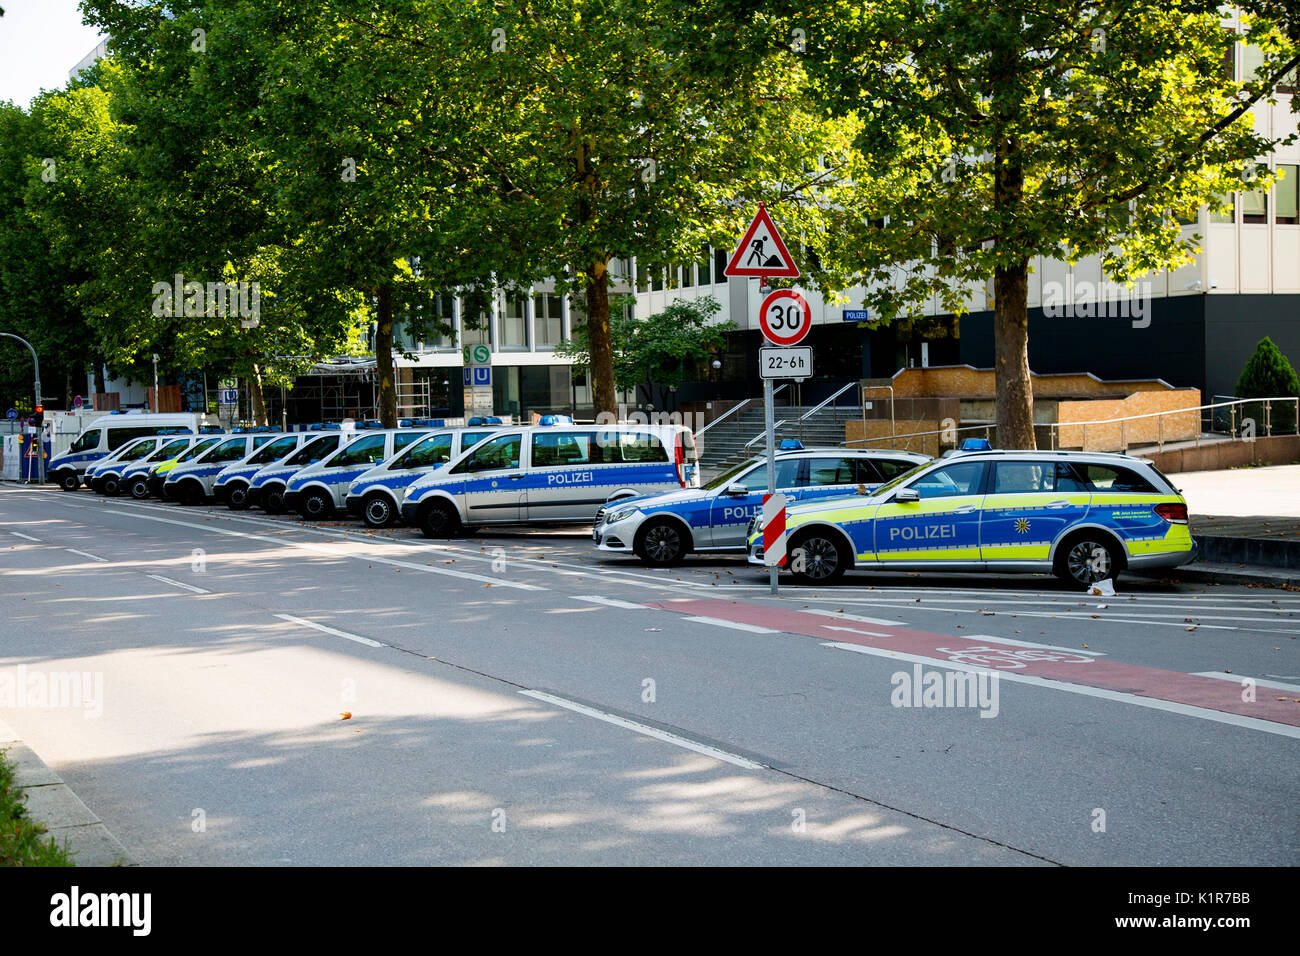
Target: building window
719	265
1288	197
548	320
443	307
1224	214
475	316
657	279
688	275
513	325
1254	206
703	266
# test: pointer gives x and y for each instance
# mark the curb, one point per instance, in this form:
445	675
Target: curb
52	802
1281	553
1205	572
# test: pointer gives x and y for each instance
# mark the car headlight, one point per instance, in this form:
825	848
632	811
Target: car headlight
620	515
756	525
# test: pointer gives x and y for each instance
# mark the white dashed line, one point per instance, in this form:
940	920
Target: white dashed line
179	584
329	630
612	602
1259	681
84	554
25	537
734	625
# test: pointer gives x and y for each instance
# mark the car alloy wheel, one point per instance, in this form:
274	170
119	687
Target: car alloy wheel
237	497
273	500
315	506
110	487
378	511
439	522
661	544
69	481
815	559
139	488
1089	561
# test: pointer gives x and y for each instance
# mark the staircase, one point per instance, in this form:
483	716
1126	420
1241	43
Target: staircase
732	440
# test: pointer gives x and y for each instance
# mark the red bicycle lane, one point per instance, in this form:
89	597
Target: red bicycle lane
1012	658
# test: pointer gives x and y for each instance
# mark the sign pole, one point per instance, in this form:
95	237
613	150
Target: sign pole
769	416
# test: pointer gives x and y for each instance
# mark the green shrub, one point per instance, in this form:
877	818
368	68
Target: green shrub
1267	374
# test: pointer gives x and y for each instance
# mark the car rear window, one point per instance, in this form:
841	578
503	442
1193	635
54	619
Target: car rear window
1115	478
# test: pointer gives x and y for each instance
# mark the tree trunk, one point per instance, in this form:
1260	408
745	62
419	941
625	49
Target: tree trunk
600	347
70	388
255	392
1015	389
384	357
99	374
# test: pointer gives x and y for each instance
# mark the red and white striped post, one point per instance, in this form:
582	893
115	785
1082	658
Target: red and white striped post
774	533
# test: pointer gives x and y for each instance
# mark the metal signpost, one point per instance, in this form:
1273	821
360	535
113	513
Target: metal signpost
784	317
36	365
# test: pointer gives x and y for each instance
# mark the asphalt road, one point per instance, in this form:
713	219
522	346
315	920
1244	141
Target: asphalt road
517	698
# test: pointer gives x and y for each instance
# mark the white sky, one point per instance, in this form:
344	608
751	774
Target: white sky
40	41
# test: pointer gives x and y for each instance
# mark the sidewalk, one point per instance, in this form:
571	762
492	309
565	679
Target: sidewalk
53	803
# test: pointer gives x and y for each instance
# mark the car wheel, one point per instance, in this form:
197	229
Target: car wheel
188	493
109	486
377	511
316	506
660	543
68	480
440	520
272	499
814	557
139	488
237	496
1087	559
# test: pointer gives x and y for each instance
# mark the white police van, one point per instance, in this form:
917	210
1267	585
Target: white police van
134	477
231	484
101	477
550	474
190	482
317	491
376	495
266	487
107	434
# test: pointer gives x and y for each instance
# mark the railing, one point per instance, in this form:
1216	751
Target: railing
804	417
1290	425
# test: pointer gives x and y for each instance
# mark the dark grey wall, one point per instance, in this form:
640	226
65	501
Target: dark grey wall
1234	325
1171	347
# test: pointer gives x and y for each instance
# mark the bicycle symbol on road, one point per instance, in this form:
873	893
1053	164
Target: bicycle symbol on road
1003	658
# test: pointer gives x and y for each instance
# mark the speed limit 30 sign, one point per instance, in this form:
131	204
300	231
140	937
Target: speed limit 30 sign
785	317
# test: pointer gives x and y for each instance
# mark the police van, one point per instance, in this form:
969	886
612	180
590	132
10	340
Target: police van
134	476
1083	516
101	476
550	474
318	490
266	486
107	434
190	482
159	471
663	529
376	495
231	483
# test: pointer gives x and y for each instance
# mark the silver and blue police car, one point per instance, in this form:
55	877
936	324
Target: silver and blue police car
1083	516
317	490
134	476
231	483
662	529
267	485
191	482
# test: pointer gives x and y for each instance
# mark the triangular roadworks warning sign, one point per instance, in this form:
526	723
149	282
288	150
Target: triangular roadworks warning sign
761	252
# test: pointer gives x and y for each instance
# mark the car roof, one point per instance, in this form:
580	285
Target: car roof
1064	455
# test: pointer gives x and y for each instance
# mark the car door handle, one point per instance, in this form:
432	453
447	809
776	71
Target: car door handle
1063	503
963	510
516	477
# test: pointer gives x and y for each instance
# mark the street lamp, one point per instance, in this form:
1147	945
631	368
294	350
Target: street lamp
36	364
155	381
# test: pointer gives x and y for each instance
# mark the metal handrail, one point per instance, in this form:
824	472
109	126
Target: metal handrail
729	412
818	408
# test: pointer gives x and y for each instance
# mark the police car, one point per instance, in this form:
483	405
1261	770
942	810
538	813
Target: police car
101	477
190	482
1083	516
231	483
158	472
550	474
110	432
266	486
663	529
317	490
376	495
134	476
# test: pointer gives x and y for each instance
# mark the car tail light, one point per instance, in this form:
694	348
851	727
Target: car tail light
681	461
1173	513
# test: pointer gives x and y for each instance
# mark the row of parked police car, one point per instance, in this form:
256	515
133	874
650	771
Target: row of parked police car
1082	516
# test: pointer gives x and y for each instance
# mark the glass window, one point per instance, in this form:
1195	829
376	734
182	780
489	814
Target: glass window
719	264
704	267
443	311
117	437
631	447
1252	62
1113	478
363	451
274	450
87	441
833	471
198	449
1288	206
170	450
565	448
136	451
1254	206
513	325
470	439
496	453
657	279
1023	477
957	479
402	439
1226	213
891	468
434	450
314	450
688	275
548	320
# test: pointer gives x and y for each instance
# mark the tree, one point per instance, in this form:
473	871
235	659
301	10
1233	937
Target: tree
1268	374
663	350
998	131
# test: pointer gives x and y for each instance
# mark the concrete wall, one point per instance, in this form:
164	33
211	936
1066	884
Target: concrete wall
880	431
1278	450
1234	325
1117	436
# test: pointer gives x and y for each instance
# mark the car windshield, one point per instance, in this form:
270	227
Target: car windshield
170	450
889	485
725	478
137	451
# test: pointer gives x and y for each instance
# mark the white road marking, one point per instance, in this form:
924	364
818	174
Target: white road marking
612	602
644	730
854	630
84	554
1152	703
1238	678
990	639
330	630
25	537
855	617
734	625
179	584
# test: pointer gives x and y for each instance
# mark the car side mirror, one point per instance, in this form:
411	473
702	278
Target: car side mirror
738	491
907	494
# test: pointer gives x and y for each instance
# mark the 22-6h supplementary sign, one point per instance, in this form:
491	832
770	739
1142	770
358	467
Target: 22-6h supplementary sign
796	362
785	317
761	252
